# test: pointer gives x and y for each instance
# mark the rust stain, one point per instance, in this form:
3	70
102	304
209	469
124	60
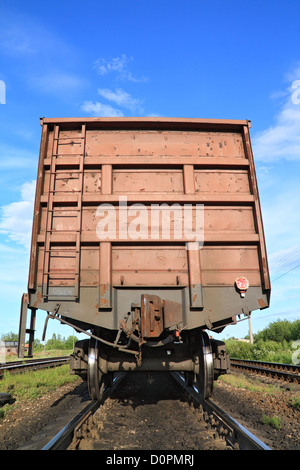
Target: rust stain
103	289
262	303
39	299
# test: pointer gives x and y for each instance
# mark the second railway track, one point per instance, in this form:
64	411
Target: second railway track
32	364
285	372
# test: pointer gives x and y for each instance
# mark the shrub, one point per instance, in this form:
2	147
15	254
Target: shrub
239	349
274	422
273	344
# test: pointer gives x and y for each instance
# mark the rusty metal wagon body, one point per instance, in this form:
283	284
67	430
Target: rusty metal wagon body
146	232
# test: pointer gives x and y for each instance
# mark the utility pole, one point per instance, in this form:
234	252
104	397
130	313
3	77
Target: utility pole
250	328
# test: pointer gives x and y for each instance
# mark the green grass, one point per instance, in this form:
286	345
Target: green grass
39	354
32	385
274	422
239	381
296	403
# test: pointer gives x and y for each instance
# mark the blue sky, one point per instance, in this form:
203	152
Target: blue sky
193	58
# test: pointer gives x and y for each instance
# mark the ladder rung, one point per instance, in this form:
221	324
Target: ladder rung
62	249
65	192
68	154
63	257
60	275
70	138
74	232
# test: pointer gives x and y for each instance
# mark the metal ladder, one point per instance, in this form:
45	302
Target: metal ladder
63	244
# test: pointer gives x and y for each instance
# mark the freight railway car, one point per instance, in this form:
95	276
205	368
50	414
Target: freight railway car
147	235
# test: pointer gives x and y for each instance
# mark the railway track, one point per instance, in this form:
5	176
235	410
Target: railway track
229	430
63	438
236	435
32	364
286	372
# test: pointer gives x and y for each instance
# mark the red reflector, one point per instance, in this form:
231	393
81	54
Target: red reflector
242	283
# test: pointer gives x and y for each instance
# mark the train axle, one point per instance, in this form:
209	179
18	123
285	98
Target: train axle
201	359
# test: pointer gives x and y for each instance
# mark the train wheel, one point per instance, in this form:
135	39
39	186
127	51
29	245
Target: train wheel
96	380
205	378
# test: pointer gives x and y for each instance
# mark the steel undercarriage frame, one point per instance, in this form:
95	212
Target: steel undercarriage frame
151	337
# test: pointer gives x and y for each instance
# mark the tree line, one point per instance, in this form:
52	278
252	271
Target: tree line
278	342
279	331
56	342
274	343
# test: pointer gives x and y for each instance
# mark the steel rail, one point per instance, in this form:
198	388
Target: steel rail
63	438
233	431
20	366
268	368
272	365
30	361
245	439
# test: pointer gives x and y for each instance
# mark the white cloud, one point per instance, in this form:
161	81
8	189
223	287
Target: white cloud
100	109
277	155
121	98
117	66
16	220
282	141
